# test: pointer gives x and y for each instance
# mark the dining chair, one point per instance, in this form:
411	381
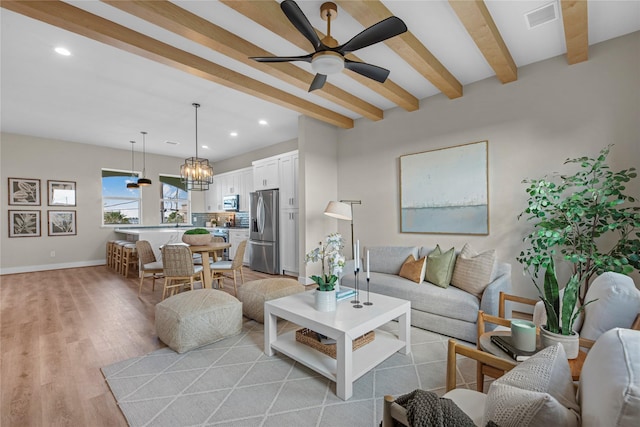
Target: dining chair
219	267
148	266
179	270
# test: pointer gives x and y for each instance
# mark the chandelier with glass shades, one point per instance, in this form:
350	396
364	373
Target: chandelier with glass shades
196	173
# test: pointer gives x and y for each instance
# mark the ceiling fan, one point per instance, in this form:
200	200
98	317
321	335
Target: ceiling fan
328	57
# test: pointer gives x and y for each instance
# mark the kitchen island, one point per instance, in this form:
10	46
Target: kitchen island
157	237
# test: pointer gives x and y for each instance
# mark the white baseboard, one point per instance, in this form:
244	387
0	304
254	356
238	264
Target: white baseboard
45	267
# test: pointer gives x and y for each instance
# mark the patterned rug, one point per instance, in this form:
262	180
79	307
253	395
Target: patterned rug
233	383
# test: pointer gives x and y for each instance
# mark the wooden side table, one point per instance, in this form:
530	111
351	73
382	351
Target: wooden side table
490	347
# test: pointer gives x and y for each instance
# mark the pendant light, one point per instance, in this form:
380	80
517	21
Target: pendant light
132	184
196	173
144	181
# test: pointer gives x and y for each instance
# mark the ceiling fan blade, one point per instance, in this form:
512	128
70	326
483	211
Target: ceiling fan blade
318	81
305	58
300	21
374	72
383	30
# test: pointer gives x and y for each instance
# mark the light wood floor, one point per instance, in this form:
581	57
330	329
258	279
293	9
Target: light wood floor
57	329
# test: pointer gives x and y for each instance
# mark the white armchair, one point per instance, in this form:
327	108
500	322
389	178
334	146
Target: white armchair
539	391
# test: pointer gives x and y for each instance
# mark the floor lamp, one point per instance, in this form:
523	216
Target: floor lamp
343	210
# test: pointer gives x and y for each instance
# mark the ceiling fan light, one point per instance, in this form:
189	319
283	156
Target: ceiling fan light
327	62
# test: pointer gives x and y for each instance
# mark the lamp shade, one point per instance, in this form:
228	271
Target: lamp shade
338	210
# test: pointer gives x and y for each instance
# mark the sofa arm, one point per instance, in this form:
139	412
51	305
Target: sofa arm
348	268
491	296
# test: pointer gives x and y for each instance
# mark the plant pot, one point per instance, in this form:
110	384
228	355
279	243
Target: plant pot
196	239
326	300
571	343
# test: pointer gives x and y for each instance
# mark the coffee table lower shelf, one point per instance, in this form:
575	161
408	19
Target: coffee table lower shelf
364	359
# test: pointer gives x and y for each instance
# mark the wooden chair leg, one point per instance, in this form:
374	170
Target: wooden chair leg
141	281
235	286
242	274
479	377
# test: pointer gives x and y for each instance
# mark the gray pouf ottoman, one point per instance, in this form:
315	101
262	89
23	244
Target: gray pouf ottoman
195	318
254	294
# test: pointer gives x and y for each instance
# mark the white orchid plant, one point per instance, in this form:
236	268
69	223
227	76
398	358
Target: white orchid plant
328	254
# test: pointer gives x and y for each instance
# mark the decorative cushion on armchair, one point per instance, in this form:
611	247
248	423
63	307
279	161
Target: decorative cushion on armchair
617	305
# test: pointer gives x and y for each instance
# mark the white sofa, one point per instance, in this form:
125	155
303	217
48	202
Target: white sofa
539	391
449	311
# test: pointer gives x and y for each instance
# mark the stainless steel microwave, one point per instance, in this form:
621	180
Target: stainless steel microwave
231	203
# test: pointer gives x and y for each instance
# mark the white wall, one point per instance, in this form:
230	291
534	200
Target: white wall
552	112
45	159
318	151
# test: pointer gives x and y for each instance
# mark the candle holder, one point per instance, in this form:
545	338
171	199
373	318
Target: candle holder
368	302
356	300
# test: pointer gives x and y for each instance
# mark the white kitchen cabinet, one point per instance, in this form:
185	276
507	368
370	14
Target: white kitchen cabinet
235	237
247	189
289	221
265	174
289	181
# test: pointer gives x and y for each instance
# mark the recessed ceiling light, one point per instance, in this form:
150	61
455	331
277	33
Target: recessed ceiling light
233	134
262	122
205	146
62	51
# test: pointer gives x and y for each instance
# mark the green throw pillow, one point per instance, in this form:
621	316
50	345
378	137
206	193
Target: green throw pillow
440	266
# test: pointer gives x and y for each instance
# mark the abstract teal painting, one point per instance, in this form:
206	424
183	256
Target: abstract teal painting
445	190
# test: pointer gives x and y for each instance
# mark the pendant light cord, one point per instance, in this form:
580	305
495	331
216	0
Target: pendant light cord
144	155
197	106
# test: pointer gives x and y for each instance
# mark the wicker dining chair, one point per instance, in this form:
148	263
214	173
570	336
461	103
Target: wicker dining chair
148	266
179	270
220	267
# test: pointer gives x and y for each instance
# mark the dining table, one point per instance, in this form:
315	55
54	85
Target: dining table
204	251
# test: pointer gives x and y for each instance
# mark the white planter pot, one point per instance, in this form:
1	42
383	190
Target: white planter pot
326	300
571	343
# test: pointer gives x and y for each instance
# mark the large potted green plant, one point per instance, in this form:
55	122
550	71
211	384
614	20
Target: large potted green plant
584	219
329	255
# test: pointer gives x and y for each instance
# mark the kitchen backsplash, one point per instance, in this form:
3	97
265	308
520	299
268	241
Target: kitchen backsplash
236	219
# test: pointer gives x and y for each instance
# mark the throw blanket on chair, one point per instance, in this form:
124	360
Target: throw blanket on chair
426	409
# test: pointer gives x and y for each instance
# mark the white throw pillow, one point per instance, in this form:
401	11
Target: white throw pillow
535	393
617	305
609	391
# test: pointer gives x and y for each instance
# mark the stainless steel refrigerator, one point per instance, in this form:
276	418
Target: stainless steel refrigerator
265	252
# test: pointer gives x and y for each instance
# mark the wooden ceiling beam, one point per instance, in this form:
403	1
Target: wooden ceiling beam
269	15
76	20
186	24
476	18
407	46
576	30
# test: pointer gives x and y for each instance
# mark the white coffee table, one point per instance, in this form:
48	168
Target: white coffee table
344	325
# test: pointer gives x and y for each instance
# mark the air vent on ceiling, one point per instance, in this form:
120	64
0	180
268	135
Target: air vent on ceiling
541	15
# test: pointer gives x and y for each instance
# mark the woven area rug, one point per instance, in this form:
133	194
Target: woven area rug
233	383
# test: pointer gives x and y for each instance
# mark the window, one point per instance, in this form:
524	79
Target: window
175	201
120	205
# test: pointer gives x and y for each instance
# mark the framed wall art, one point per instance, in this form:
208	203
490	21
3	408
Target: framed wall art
61	193
445	190
62	223
24	223
24	192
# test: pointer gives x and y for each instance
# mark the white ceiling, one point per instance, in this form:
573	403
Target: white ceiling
105	96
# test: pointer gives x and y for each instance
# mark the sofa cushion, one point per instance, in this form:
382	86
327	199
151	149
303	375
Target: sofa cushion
413	270
609	390
617	305
440	266
389	259
450	302
537	392
473	271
